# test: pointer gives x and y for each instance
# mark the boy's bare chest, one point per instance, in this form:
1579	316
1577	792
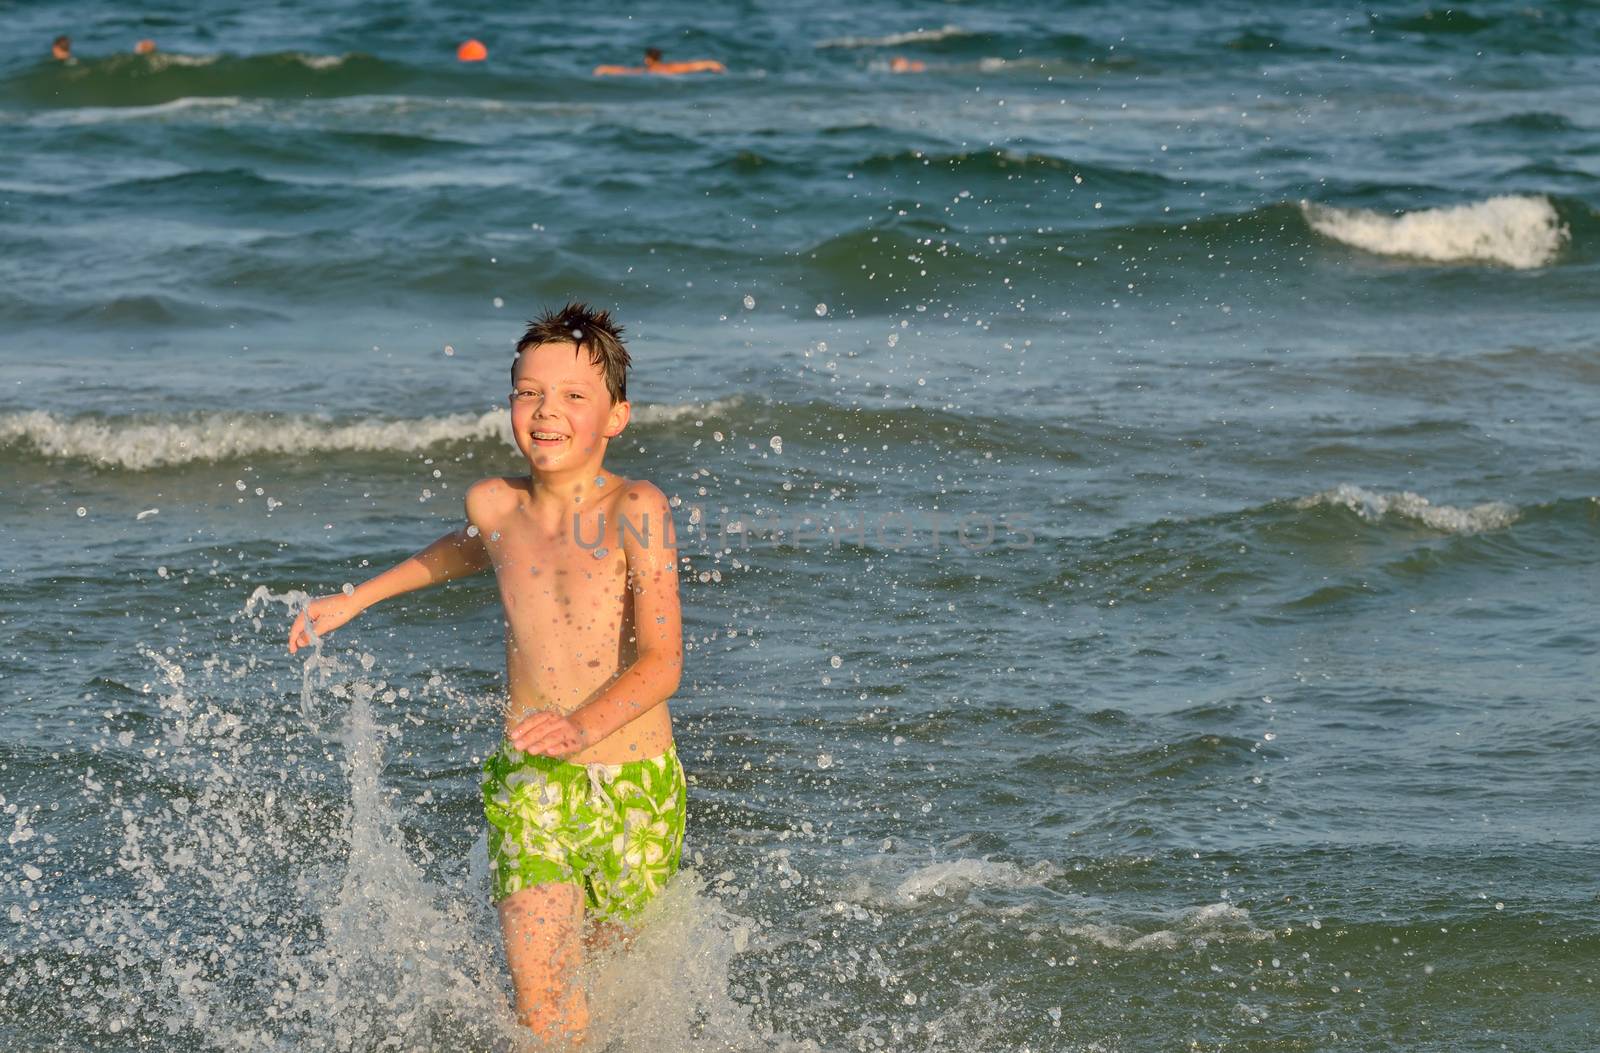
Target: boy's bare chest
565	567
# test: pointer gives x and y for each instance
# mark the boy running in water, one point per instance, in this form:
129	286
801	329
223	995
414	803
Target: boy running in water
585	796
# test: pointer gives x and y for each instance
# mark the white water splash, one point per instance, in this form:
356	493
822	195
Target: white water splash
263	889
1515	231
317	670
1374	507
960	876
669	990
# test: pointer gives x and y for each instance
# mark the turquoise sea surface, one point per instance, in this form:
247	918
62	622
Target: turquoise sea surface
1181	422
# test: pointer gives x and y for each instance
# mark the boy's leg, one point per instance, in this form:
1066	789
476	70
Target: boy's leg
543	930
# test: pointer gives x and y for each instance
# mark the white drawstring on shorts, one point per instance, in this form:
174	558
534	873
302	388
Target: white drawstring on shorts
601	776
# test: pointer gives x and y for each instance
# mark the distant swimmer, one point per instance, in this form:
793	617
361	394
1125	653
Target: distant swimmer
61	48
901	64
654	65
145	47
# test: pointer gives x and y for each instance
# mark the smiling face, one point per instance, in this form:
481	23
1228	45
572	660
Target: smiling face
561	414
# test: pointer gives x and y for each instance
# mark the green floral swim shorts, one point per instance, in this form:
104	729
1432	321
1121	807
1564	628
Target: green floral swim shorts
614	830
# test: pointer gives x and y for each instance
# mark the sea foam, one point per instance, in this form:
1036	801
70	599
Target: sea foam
1192	927
915	36
140	443
1374	507
84	115
1511	230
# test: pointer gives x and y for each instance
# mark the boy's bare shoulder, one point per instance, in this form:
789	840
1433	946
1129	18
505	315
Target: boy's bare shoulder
647	512
489	499
639	496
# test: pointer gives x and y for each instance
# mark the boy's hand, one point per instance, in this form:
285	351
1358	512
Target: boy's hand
325	614
549	735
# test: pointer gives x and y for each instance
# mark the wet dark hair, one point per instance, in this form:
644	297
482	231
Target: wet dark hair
580	325
63	41
652	54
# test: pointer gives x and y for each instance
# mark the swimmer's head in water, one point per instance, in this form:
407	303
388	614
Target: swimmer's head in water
652	56
586	329
61	47
144	47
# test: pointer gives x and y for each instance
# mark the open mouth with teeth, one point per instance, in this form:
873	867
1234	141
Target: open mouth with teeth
547	438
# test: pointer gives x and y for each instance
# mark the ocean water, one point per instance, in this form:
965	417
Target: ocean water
1139	478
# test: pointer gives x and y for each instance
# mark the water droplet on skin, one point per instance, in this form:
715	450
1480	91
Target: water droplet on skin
600	553
599	480
822	310
472	531
348	589
82	511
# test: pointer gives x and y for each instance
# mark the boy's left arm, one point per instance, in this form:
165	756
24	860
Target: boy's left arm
658	628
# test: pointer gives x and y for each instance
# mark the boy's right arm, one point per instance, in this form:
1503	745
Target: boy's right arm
457	554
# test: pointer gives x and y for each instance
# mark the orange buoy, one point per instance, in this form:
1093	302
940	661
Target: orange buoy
472	51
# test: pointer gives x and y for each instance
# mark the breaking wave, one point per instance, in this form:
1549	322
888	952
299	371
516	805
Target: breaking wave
1375	507
1511	230
915	36
139	444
